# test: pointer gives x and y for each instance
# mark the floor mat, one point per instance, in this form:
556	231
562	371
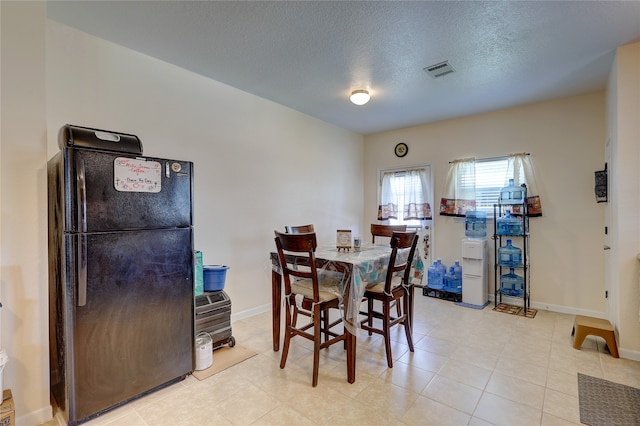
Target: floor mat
515	310
224	358
607	403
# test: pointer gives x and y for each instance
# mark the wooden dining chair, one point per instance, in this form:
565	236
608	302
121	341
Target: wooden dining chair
309	291
397	288
302	229
378	230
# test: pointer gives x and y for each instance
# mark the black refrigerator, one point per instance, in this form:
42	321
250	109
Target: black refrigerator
121	270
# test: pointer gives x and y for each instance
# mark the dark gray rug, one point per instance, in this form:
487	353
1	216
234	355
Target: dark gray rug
606	403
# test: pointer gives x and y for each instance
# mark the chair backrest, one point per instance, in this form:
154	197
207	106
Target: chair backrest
399	241
378	230
299	244
302	229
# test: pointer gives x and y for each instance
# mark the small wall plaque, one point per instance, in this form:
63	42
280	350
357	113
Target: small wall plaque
344	239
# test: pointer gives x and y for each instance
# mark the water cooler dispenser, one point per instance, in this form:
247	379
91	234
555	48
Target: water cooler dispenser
475	272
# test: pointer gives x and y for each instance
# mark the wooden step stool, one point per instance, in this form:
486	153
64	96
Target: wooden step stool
585	326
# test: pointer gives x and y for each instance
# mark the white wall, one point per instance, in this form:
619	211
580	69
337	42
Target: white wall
252	160
565	138
623	111
23	276
258	166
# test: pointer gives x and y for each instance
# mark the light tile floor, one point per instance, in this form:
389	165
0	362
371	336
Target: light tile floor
470	367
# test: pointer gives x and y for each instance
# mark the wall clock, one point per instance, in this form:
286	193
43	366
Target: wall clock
401	149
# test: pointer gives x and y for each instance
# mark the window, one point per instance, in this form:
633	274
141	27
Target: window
475	184
399	182
490	179
404	196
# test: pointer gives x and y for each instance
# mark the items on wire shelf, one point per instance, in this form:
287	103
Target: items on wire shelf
511	245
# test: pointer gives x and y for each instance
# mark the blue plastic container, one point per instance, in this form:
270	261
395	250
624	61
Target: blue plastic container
443	269
509	255
512	194
508	224
434	277
448	280
457	270
214	277
512	284
452	284
475	224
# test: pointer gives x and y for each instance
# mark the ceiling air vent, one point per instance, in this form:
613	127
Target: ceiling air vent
439	70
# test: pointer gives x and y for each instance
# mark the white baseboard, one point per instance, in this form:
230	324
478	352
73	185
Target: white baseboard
37	417
516	301
250	312
628	354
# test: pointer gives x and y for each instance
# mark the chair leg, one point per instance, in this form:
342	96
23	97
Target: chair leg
407	323
350	340
294	320
386	308
316	344
410	302
370	314
287	333
325	327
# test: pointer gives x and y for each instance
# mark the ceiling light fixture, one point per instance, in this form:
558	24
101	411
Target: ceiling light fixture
360	97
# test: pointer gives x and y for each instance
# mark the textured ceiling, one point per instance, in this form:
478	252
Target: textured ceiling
310	55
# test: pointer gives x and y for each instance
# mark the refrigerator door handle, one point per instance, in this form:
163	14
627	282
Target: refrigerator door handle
81	188
82	270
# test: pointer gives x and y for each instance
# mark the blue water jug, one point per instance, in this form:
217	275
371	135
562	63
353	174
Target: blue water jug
509	255
457	270
512	194
434	277
448	280
443	269
451	283
508	224
475	224
512	284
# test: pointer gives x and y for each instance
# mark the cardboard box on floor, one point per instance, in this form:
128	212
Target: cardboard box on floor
7	409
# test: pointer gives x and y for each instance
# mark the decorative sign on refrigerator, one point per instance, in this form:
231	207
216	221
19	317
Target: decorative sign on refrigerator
137	175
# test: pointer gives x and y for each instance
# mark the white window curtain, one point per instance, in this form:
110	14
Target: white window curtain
519	167
408	190
459	195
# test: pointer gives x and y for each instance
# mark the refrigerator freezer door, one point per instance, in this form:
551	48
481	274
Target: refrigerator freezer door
135	330
113	191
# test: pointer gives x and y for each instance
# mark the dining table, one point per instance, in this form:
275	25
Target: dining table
359	269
